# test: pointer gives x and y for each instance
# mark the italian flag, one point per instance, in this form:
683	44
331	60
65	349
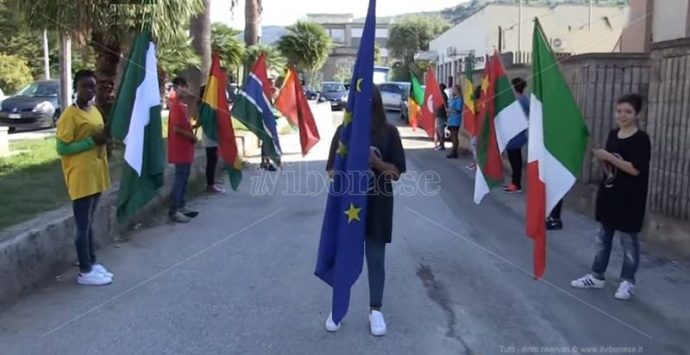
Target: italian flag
500	119
216	121
557	142
415	101
136	121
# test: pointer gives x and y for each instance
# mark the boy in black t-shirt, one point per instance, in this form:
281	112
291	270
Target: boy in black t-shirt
622	197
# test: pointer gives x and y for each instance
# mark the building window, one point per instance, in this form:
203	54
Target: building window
338	35
357	32
381	33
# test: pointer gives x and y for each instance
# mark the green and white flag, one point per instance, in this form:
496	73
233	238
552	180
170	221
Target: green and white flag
136	121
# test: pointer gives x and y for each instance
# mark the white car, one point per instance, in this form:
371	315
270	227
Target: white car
394	94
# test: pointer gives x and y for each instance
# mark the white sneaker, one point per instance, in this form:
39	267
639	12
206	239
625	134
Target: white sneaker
99	268
625	291
588	281
93	278
330	324
178	217
377	323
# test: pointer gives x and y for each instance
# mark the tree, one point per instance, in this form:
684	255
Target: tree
200	31
343	73
175	56
252	15
274	60
14	73
306	45
411	35
109	29
231	50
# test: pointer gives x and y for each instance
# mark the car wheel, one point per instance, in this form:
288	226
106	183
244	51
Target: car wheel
12	129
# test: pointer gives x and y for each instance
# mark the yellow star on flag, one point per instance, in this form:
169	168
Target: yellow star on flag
347	119
485	84
352	213
342	149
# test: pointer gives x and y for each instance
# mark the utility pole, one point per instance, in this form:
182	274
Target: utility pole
46	60
519	44
65	70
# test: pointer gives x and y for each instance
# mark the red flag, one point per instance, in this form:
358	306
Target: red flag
292	103
259	70
433	99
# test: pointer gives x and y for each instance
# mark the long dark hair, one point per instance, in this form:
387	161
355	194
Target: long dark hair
378	114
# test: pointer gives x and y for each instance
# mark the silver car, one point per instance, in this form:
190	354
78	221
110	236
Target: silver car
394	94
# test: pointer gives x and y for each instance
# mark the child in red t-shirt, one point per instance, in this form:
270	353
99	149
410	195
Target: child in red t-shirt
181	140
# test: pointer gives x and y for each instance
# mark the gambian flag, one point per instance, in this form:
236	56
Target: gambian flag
253	108
557	142
433	99
469	114
500	119
136	121
216	121
292	103
415	101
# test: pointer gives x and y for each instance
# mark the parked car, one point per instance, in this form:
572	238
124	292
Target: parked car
310	93
2	95
393	94
35	106
335	93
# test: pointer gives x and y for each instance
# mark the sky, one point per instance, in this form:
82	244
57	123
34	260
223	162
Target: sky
287	12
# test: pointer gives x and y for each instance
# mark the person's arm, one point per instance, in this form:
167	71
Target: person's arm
331	152
66	149
396	166
185	133
639	162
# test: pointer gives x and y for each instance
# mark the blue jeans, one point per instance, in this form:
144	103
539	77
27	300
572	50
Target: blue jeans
84	210
376	256
631	253
179	189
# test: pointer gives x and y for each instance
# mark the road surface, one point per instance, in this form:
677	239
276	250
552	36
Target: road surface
239	279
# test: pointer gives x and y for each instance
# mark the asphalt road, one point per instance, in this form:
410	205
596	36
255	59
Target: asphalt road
239	279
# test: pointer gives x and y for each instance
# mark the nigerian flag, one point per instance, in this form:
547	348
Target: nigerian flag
136	121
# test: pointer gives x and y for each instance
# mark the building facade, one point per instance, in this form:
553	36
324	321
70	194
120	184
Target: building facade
508	28
346	33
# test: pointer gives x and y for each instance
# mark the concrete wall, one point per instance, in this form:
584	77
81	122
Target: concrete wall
636	36
670	20
663	77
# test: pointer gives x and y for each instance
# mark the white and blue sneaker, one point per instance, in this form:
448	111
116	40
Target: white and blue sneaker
99	268
626	290
330	324
588	281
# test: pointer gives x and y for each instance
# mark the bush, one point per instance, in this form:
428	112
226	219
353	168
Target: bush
14	73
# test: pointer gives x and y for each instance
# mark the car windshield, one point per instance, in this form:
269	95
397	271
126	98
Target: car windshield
40	90
333	87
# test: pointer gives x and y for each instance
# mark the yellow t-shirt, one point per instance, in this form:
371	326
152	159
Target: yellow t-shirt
86	173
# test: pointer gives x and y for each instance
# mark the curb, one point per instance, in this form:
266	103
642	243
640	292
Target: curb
45	248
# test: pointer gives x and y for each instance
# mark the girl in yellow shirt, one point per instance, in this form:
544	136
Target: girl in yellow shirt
81	141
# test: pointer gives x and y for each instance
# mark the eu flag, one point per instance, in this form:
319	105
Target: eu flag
341	249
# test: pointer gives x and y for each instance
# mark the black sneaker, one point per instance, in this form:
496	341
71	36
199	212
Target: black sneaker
189	213
554	224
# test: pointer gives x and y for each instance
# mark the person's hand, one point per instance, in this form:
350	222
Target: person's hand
100	138
374	157
601	154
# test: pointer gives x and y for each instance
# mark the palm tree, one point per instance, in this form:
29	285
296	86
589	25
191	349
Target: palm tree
307	46
231	50
274	59
108	29
175	56
252	16
200	31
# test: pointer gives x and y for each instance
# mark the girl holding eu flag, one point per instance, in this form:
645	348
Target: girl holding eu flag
387	162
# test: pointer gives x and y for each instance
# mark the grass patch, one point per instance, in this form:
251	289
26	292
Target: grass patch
31	181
